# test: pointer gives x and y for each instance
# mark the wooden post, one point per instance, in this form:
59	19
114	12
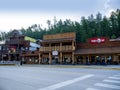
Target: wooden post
50	49
50	58
60	46
115	59
73	59
40	59
73	47
105	59
9	58
60	57
84	59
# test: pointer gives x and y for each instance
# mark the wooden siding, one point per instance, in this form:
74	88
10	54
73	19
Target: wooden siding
60	36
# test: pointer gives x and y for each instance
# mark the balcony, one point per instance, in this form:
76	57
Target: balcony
3	51
58	48
15	41
12	42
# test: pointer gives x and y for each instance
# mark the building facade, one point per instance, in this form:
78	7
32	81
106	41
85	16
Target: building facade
63	49
17	48
58	48
98	51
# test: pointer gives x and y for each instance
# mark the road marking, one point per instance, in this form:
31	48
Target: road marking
112	81
91	89
108	86
62	84
114	77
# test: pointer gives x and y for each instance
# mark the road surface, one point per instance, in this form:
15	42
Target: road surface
57	78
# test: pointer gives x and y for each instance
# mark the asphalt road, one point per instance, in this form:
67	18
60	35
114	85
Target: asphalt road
58	78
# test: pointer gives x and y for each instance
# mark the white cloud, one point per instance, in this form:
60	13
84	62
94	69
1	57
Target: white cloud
107	5
17	20
107	8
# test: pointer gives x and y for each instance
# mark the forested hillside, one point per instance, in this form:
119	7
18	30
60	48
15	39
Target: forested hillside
93	26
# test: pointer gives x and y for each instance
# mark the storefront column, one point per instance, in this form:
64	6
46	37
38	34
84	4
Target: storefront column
88	59
115	59
73	59
50	58
84	59
73	46
60	46
60	57
40	59
9	58
105	59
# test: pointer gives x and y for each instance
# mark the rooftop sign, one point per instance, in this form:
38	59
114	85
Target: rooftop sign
97	40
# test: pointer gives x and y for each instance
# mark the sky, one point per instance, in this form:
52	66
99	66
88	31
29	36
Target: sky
17	14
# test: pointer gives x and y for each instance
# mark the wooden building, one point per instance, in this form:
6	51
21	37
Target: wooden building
58	48
17	48
63	49
98	51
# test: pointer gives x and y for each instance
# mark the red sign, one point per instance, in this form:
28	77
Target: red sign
97	40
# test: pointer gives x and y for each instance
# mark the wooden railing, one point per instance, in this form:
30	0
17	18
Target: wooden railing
3	51
18	42
12	42
58	48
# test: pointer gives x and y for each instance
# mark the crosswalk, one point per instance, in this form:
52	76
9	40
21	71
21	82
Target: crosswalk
111	83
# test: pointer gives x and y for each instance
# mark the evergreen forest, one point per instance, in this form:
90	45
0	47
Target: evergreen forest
93	26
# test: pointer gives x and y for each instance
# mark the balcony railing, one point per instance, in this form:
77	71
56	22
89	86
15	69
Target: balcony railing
58	48
17	42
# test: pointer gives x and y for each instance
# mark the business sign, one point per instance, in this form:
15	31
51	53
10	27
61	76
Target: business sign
97	40
54	53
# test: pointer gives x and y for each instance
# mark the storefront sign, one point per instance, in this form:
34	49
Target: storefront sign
97	40
54	53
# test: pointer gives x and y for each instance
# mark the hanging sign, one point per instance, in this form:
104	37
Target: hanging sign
54	53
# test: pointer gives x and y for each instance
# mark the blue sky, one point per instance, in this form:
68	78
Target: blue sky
15	14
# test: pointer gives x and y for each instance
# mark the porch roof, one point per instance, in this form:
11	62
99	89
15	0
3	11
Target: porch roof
105	50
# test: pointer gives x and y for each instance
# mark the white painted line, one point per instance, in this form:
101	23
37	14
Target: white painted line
65	83
111	81
92	89
108	86
114	77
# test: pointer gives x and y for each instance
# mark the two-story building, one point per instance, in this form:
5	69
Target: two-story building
63	49
58	48
19	48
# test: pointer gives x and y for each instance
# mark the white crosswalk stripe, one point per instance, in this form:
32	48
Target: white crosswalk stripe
65	83
112	81
109	83
114	77
108	86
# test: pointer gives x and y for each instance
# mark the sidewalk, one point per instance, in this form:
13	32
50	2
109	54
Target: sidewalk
107	67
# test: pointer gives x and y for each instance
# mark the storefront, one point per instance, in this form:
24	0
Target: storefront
98	51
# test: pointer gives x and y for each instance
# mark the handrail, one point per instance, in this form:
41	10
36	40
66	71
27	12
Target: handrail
54	48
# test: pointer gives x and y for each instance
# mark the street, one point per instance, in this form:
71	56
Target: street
45	77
